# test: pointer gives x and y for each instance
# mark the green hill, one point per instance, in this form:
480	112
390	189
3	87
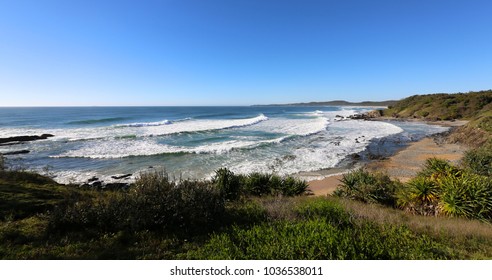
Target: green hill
476	107
443	106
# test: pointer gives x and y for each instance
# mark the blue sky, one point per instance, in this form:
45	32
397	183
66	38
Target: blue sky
237	52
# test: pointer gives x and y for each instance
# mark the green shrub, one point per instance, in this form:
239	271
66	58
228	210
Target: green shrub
442	189
319	239
468	196
420	196
258	184
479	161
3	165
291	186
153	203
436	168
370	188
228	183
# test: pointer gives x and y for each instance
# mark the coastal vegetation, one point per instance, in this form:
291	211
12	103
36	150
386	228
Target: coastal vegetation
474	107
443	213
158	218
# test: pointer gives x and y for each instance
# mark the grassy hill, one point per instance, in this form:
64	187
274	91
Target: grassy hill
443	106
476	107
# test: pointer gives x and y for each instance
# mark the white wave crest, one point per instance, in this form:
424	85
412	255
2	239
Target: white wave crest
152	129
291	127
164	122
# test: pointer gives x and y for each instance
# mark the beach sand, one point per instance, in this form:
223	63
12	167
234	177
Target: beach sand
403	165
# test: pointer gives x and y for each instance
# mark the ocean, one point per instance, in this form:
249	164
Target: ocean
193	142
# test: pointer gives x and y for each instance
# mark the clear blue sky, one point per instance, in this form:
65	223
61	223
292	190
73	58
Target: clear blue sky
240	52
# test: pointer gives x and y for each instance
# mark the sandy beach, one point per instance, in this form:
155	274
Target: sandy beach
404	165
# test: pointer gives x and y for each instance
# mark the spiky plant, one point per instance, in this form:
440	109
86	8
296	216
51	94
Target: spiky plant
420	195
455	200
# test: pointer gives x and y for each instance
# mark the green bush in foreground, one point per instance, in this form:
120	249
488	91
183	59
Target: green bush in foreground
366	187
479	160
153	203
326	231
442	189
256	184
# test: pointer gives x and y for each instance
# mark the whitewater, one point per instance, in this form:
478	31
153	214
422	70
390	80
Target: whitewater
193	142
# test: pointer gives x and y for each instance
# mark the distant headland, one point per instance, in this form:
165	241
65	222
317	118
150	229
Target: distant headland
339	103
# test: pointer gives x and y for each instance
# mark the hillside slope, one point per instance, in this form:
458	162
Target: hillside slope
476	107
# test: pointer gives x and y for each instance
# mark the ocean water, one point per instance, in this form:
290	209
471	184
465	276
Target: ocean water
192	142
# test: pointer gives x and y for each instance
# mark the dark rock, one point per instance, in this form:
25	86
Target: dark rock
24	138
96	184
355	156
372	156
121	177
16	152
93	179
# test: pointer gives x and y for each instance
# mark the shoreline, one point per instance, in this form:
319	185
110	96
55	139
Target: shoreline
404	163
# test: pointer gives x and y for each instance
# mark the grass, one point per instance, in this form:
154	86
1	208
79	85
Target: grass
442	106
476	107
162	219
333	228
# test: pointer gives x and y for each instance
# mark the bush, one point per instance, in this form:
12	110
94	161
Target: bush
420	196
442	189
468	196
3	165
436	168
479	161
366	187
325	232
153	203
256	184
228	183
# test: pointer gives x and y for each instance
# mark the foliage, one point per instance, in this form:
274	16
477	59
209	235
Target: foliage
479	160
154	203
228	183
256	184
162	219
420	196
370	188
442	189
442	106
325	232
3	165
436	168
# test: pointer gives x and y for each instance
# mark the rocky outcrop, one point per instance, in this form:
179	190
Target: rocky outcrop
96	183
25	138
16	152
121	176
